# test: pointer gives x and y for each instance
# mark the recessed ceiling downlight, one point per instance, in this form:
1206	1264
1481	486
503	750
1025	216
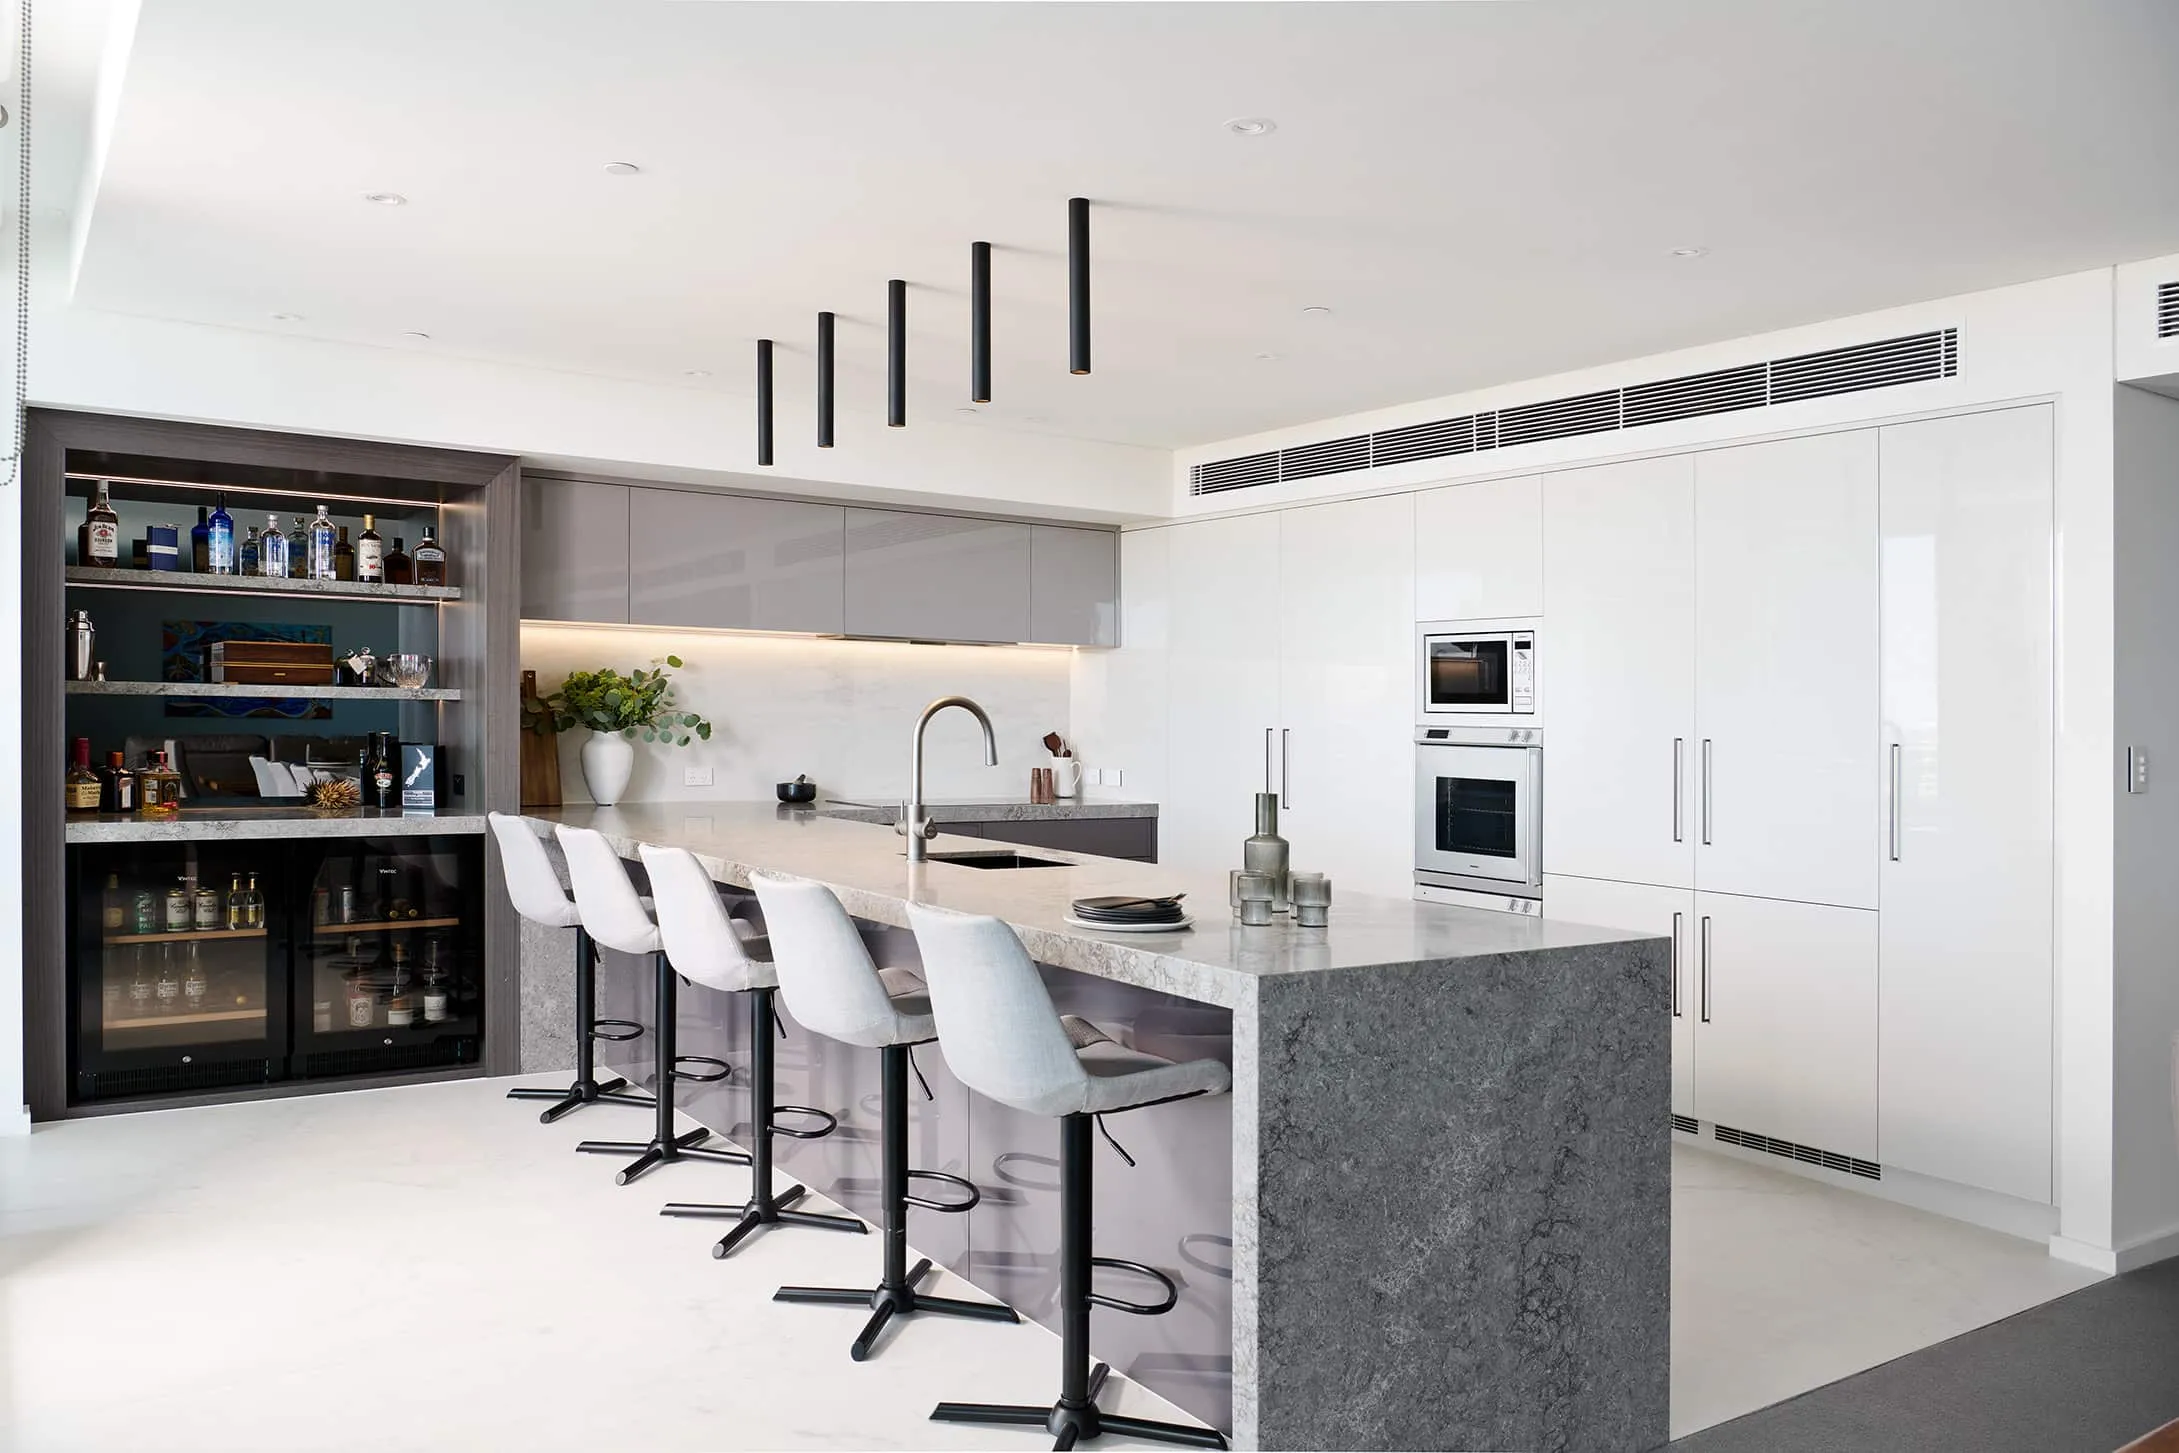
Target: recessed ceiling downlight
1252	126
1689	252
287	317
621	169
385	199
419	337
1316	310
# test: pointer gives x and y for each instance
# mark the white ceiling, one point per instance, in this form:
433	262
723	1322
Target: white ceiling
1480	192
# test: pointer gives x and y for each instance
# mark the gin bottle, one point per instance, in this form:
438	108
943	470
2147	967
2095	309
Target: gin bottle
320	550
272	550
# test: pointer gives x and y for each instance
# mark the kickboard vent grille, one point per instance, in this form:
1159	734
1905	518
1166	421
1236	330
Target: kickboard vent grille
2167	310
1886	363
1793	1150
383	1059
1687	1123
171	1079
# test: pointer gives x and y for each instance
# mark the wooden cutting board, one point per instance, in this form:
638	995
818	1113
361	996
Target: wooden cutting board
540	758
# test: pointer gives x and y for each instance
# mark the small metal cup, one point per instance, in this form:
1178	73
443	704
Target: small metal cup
1255	890
1312	895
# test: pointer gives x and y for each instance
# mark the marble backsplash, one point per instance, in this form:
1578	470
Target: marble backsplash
840	711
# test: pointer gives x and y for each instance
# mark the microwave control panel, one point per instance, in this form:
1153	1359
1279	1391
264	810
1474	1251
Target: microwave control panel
1521	691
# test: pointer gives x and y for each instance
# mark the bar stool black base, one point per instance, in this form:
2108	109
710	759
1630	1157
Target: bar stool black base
1073	1423
759	1212
589	1028
615	1091
656	1152
887	1302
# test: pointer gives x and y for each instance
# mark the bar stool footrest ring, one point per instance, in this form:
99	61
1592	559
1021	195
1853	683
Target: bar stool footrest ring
615	1031
832	1122
1140	1309
950	1207
691	1077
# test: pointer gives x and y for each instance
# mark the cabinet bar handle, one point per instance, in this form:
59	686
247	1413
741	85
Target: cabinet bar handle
1706	968
1267	759
1679	791
1706	800
1284	770
1895	839
1676	965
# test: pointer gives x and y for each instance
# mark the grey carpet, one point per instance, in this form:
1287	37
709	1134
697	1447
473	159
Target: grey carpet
2088	1372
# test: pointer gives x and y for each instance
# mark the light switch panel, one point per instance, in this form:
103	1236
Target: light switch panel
2137	769
695	776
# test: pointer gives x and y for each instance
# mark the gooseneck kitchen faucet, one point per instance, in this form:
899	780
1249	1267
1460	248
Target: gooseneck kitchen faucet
919	828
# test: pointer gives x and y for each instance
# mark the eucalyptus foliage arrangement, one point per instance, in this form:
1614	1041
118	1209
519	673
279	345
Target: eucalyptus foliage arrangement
639	705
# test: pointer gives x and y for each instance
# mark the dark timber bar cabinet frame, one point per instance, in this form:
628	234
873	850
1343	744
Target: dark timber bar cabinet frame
479	499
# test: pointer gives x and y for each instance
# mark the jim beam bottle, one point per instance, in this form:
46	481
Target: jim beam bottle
98	538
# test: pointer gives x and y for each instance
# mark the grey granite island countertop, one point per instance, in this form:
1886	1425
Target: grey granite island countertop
984	809
1217	961
241	824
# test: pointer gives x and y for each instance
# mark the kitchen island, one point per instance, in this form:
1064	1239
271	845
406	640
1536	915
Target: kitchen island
1433	1213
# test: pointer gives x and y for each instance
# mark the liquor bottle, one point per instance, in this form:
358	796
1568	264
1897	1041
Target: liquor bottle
195	985
370	554
438	993
204	908
81	783
344	556
142	993
219	538
116	785
253	905
246	555
362	1005
158	789
430	561
200	542
177	909
401	1008
382	774
322	540
166	991
113	909
272	550
238	904
98	538
400	569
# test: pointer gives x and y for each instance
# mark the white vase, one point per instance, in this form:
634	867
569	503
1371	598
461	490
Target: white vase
1066	776
608	760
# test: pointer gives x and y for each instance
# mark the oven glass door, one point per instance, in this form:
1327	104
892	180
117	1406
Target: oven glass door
1476	812
1467	673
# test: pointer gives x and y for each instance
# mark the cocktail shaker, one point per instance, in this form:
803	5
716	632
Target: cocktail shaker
82	644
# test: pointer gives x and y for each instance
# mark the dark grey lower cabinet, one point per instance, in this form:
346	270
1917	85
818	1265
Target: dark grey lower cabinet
1135	838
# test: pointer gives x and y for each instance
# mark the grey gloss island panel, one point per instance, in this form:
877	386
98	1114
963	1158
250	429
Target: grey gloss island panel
574	551
734	562
936	577
1074	586
1464	1204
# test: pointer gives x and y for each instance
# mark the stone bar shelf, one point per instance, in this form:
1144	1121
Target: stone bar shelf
240	824
1434	1212
104	577
275	692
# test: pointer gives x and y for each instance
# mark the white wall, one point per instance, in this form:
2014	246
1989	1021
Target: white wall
841	711
2146	1158
2051	339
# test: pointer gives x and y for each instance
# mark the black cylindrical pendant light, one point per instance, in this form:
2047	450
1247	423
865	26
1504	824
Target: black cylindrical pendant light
824	380
764	401
896	353
1078	302
979	322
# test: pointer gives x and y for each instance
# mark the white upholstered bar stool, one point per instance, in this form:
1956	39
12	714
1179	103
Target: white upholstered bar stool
836	989
1005	1040
723	953
614	914
535	891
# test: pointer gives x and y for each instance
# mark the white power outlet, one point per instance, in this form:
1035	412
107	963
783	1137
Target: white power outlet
695	776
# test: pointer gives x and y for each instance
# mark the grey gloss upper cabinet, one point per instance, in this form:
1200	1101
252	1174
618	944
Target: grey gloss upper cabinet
936	577
574	551
1074	586
733	562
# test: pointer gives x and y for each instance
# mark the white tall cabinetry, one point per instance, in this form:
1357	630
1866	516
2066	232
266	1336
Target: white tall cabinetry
1222	689
1967	741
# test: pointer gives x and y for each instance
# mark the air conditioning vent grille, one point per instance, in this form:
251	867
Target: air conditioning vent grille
2167	310
1887	363
1687	1123
1806	1154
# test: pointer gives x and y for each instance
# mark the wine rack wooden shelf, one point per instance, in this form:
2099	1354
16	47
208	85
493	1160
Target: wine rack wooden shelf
202	935
166	1021
390	925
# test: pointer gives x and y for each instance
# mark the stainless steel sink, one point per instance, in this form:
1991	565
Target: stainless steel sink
999	858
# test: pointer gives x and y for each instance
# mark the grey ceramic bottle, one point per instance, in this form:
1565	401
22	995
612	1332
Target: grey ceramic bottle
1266	852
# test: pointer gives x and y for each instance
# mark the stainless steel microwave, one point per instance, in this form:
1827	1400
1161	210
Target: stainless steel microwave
1476	670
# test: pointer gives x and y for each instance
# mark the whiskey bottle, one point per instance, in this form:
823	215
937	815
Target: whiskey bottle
430	561
247	554
320	550
238	904
117	786
82	784
166	991
158	789
344	556
219	539
98	538
272	550
195	985
370	554
400	569
200	542
204	908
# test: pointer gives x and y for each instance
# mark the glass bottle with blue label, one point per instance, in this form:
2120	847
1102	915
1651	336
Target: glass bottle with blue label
272	550
323	537
219	538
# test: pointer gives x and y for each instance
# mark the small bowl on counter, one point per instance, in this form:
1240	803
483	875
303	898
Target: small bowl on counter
798	792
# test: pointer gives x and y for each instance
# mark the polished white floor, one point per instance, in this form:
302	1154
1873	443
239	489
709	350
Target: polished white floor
429	1268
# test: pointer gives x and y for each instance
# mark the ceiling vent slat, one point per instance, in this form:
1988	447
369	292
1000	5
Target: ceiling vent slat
2167	310
1884	363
